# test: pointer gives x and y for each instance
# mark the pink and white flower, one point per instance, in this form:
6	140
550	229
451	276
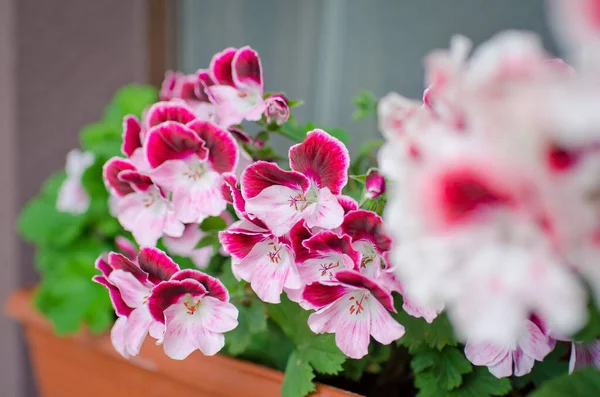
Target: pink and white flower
130	284
277	109
282	198
195	310
375	184
72	196
264	260
141	207
354	308
238	92
188	160
516	358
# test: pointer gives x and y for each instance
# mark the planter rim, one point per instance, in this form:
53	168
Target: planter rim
19	307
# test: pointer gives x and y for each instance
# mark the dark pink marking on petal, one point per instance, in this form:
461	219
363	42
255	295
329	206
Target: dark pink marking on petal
139	182
132	130
560	159
169	111
205	80
187	88
375	184
102	265
463	191
367	225
222	147
110	174
220	66
323	159
126	247
172	140
347	203
120	262
262	174
168	85
214	287
247	70
169	293
239	134
355	279
239	242
158	265
232	193
298	235
327	241
118	303
320	295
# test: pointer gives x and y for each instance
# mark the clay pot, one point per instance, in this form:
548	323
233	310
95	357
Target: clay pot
87	365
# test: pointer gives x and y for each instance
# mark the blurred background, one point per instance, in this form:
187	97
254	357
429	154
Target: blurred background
62	60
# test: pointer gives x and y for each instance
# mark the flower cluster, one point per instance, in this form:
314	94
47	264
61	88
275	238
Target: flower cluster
185	310
179	152
494	189
298	233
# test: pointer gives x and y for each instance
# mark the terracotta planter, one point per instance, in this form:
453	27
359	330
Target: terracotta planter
87	365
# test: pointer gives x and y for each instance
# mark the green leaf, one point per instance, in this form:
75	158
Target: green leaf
102	139
338	133
131	99
320	351
584	382
365	105
41	223
479	383
252	319
297	132
209	239
213	223
437	334
552	367
447	365
295	103
298	377
359	178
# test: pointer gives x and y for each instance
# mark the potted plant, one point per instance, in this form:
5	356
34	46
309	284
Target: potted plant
479	280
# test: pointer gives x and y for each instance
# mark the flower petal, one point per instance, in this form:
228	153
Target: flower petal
217	315
326	212
220	66
323	159
133	292
157	264
161	112
273	206
247	70
367	225
222	147
117	336
169	293
534	343
118	303
384	328
347	203
239	242
136	180
132	130
320	295
355	279
173	141
110	173
126	247
262	175
138	325
488	354
212	285
328	242
120	262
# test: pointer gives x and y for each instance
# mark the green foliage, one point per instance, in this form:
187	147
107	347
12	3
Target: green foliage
67	245
365	105
447	365
478	383
297	132
437	335
553	366
584	382
312	352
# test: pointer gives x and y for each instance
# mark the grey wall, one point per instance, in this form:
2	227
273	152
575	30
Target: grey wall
324	51
60	62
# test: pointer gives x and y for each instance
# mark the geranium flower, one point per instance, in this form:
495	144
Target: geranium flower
261	258
239	88
320	256
282	198
188	160
354	308
513	359
195	310
72	196
375	184
140	206
277	109
190	89
130	284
